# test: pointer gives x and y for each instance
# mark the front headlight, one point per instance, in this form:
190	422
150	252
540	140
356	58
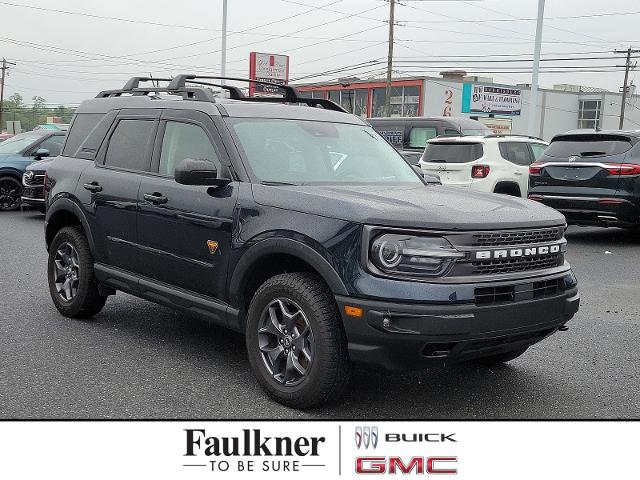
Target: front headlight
412	255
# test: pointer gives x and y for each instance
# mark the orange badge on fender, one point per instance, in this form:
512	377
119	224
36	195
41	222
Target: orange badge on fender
213	246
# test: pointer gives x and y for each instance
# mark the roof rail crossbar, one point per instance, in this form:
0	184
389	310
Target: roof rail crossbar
312	102
199	94
497	135
234	92
134	82
290	93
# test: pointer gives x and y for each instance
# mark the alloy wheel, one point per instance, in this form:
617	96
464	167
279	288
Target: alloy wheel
66	266
10	192
286	341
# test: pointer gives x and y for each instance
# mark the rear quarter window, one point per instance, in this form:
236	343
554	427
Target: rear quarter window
81	126
516	152
452	152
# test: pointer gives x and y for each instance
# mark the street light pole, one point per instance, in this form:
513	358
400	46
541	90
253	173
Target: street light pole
387	96
533	101
223	54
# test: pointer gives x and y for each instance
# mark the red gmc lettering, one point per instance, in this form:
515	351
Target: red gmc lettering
378	465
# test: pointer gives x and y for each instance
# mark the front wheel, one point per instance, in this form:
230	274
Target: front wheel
72	283
295	342
10	193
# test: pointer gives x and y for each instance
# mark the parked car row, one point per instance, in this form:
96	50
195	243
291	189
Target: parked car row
16	155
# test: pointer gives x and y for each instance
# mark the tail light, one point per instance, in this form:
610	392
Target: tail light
622	168
535	168
536	198
480	171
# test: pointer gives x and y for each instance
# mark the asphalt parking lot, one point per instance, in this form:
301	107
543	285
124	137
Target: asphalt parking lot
140	360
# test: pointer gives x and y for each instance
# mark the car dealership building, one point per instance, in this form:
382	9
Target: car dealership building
504	108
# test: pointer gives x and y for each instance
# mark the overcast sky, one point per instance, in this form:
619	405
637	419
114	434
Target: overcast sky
66	58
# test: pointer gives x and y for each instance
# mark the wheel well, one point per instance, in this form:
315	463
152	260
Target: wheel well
59	220
265	268
508	188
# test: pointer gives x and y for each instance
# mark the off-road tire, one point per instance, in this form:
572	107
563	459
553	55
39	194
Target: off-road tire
87	301
330	369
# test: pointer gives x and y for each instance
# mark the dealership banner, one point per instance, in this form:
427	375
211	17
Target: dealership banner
267	67
319	449
491	99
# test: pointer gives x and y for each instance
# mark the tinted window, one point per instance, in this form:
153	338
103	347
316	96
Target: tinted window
516	152
418	136
82	125
184	140
449	132
53	144
127	146
588	146
457	152
307	152
538	150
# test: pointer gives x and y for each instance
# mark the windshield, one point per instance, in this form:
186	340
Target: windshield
18	143
308	152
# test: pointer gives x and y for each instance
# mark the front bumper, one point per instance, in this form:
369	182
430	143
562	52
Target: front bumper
408	335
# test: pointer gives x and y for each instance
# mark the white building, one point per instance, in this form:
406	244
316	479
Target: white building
502	107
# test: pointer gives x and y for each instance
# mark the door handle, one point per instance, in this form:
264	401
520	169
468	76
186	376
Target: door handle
155	198
92	187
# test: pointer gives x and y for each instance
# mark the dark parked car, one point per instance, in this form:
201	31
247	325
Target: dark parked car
16	154
410	134
33	184
593	178
299	227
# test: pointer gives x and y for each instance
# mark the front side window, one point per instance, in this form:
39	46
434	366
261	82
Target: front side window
127	146
185	140
310	152
516	152
53	145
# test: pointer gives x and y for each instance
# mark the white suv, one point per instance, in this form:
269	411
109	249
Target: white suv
494	163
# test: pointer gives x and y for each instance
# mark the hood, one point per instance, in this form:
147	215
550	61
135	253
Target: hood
423	207
40	165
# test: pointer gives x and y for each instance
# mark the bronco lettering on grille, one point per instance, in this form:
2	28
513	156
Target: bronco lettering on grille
537	251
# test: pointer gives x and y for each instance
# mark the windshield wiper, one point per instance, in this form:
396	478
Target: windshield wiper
276	183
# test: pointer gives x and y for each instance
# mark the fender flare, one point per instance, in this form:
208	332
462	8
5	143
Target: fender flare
67	204
287	246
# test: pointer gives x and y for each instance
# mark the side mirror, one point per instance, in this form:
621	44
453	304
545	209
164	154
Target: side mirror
41	153
198	172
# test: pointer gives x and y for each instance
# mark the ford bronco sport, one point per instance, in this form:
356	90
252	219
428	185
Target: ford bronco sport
300	227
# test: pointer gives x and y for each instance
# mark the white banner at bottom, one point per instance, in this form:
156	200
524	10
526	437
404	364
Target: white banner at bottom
319	449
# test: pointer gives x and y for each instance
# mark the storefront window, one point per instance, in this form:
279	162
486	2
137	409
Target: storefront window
410	101
361	102
378	102
334	96
347	98
404	102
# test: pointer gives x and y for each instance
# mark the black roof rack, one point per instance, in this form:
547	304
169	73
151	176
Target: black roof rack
178	86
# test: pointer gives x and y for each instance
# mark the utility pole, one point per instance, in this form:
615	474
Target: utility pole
387	96
533	101
625	88
223	54
4	69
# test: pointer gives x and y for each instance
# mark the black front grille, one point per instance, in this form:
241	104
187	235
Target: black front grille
517	237
518	264
548	288
519	292
37	179
489	295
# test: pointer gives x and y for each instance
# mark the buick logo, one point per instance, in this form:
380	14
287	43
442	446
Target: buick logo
366	436
573	159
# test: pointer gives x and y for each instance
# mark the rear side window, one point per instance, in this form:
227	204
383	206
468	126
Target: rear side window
82	125
516	152
588	146
452	152
128	145
418	136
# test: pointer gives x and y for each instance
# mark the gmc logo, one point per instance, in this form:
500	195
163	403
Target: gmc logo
418	465
518	252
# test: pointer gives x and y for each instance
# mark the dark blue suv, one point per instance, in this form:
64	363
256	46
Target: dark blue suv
300	227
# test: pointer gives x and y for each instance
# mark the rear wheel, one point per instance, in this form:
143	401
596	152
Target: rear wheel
500	358
72	283
10	193
295	341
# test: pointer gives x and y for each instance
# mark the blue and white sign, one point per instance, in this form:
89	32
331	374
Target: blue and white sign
488	99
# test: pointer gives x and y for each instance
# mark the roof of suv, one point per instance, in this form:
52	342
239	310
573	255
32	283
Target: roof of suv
178	95
629	133
487	138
